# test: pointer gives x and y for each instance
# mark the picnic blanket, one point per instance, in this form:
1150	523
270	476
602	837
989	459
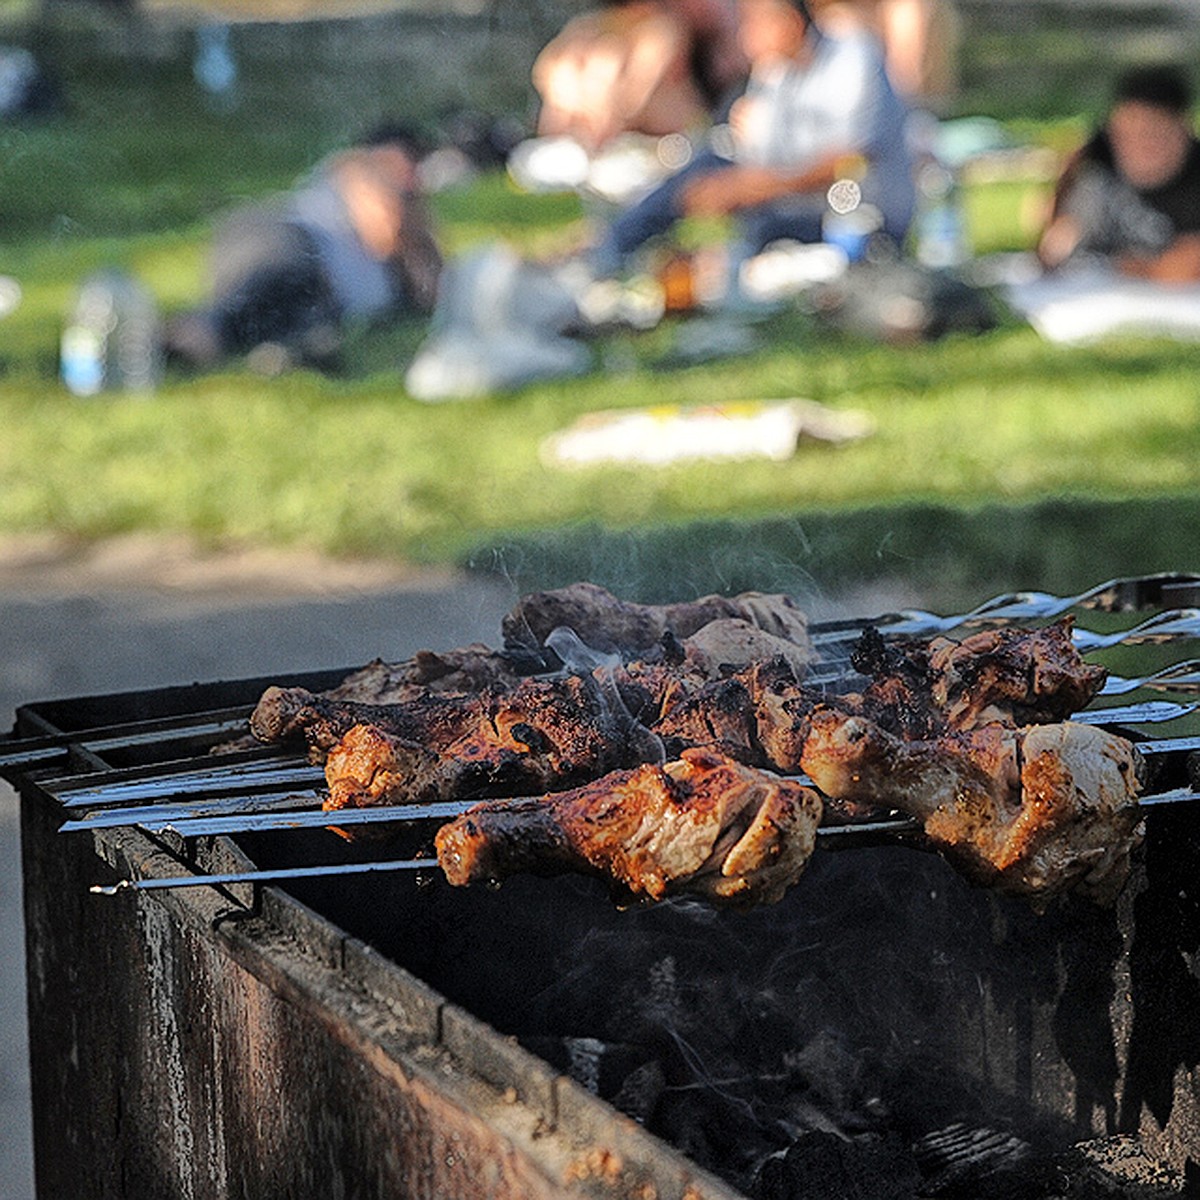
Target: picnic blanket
1090	301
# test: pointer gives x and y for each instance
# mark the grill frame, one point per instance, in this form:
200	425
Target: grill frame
164	1030
139	1068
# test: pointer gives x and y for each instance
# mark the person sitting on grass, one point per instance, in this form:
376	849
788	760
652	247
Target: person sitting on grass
1131	195
818	109
351	242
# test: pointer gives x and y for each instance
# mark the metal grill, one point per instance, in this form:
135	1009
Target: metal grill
323	1038
154	770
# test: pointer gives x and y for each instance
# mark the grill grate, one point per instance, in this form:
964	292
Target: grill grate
158	773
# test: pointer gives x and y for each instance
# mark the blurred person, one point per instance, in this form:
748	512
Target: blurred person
920	41
652	67
818	110
1131	195
351	243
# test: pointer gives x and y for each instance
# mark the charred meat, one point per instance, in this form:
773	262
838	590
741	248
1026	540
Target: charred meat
468	669
1007	675
702	824
540	736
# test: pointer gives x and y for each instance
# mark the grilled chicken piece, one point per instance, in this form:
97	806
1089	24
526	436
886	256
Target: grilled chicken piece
1034	811
702	824
1007	675
284	713
610	625
541	736
756	715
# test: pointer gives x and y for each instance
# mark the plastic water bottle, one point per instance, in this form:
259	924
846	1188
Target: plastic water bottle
111	341
214	67
941	231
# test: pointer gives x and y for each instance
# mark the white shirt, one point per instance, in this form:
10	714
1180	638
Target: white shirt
839	102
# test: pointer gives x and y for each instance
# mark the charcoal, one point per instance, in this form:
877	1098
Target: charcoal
824	1166
638	1095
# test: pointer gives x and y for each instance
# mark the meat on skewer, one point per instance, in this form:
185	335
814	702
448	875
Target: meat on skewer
702	824
470	668
1035	810
541	736
1009	675
557	731
646	686
751	625
610	625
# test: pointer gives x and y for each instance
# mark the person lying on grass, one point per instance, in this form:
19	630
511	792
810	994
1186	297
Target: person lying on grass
352	241
1131	195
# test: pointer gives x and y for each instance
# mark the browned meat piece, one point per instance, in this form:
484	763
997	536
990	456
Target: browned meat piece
756	715
1007	675
1035	811
469	669
702	824
610	625
540	736
284	713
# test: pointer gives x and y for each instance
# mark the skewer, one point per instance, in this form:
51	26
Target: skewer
1027	606
1181	677
1150	712
120	787
831	837
266	876
1166	626
290	809
216	724
159	816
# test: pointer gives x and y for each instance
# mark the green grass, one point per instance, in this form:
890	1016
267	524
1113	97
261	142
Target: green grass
995	458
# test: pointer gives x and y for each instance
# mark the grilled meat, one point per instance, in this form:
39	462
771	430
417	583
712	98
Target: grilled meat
608	624
285	713
1034	810
1008	675
540	736
469	669
701	824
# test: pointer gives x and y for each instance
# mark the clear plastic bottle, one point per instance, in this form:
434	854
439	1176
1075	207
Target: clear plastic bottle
941	233
112	339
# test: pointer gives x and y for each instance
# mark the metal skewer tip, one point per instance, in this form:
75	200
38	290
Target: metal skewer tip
266	876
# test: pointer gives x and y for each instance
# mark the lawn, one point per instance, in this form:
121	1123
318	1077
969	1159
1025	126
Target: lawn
996	459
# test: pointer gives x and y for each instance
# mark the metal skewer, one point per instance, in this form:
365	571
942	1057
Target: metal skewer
1150	712
265	876
116	787
159	817
830	836
219	723
1180	677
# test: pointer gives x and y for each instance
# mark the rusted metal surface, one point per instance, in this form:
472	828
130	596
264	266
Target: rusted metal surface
189	1046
